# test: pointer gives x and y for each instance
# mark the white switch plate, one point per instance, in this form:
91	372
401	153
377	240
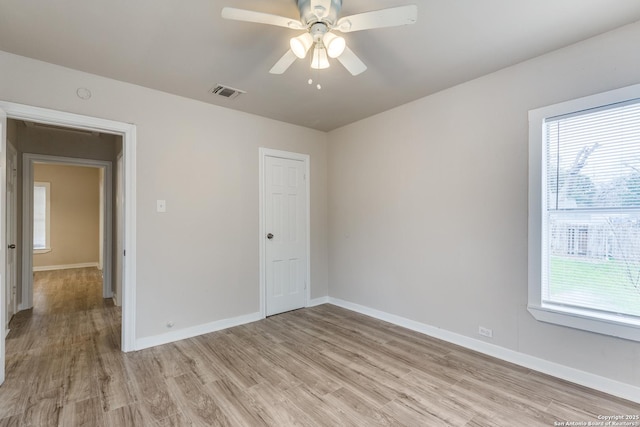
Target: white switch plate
161	205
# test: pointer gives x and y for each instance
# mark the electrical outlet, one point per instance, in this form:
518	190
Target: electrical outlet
485	332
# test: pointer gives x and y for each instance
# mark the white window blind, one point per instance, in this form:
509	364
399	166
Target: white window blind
41	215
591	211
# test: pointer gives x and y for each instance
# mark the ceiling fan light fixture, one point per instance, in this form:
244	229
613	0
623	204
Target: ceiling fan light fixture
335	45
319	18
300	45
320	59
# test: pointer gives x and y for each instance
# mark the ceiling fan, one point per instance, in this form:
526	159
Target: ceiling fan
320	19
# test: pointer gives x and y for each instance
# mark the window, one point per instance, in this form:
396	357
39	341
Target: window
584	219
41	217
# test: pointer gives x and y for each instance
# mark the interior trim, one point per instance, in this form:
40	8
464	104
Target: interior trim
128	132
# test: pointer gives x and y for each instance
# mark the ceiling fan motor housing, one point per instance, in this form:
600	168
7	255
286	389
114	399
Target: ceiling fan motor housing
312	11
318	30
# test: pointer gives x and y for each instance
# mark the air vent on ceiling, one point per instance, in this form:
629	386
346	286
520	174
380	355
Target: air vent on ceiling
226	91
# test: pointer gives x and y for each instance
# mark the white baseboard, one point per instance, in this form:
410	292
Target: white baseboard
65	266
218	325
318	301
194	331
606	385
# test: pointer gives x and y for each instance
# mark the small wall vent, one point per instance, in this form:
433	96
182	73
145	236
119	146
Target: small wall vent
226	91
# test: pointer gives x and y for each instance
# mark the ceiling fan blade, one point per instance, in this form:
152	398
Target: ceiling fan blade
284	63
351	62
394	16
260	18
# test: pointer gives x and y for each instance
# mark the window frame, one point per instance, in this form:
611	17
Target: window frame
584	319
47	246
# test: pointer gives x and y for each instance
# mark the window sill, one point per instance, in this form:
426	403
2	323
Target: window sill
600	323
41	251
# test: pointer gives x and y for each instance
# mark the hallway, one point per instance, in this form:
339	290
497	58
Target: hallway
53	348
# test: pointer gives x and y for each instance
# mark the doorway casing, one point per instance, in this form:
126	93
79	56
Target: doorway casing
128	133
27	219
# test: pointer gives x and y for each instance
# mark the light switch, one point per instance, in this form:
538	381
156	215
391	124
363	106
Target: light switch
161	205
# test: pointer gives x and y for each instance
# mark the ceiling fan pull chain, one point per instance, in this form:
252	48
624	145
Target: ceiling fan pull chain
318	86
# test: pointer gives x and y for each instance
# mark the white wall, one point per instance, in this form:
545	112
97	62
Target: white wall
428	205
198	262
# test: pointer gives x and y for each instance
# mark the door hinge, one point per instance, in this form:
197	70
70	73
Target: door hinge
124	253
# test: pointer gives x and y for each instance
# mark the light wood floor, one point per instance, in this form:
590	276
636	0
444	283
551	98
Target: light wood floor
318	366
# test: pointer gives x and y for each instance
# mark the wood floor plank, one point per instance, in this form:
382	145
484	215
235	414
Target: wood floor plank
201	407
83	413
278	407
201	363
125	416
11	421
239	407
51	365
354	410
406	410
151	389
314	407
116	394
228	361
172	362
43	409
175	420
312	367
370	388
268	367
13	400
579	397
348	347
427	392
286	369
81	380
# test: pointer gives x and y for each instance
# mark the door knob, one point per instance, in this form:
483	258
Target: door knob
12	246
269	236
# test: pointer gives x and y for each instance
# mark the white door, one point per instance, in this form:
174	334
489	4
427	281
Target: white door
3	237
285	234
11	285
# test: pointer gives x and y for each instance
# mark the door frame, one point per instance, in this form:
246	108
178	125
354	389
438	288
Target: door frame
263	154
3	240
118	229
128	132
12	228
106	219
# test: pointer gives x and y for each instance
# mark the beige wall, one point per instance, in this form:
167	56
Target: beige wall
75	211
54	142
12	131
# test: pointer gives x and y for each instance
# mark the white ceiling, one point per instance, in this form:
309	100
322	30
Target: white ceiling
186	48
